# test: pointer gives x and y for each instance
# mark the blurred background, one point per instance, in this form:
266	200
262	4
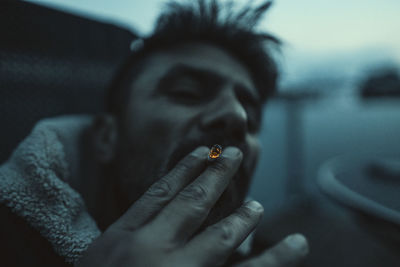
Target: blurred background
339	85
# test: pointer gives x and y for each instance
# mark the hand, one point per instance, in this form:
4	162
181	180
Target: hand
159	229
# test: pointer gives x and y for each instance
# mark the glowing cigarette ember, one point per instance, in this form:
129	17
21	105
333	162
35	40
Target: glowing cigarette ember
215	152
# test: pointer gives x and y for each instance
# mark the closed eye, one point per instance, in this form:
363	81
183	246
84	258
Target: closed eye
185	87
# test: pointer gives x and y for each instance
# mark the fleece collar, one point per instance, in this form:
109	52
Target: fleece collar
34	185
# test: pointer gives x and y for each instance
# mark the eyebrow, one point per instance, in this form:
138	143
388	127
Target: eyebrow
203	75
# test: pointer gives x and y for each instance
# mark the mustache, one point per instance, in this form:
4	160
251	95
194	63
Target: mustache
185	146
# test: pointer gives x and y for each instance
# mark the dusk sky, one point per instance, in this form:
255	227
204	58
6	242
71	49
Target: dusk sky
342	35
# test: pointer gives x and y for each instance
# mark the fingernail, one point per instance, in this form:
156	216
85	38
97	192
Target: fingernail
255	206
297	242
231	152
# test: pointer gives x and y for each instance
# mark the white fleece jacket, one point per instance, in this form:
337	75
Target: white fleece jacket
34	185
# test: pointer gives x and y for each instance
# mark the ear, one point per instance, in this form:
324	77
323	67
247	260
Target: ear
104	136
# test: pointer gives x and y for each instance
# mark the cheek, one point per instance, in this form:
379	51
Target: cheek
146	139
149	123
152	133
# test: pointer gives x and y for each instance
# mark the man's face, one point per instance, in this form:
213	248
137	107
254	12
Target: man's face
195	94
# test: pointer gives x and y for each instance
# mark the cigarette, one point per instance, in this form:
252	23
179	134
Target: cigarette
215	152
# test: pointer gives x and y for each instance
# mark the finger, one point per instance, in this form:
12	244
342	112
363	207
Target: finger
214	245
287	253
162	191
186	212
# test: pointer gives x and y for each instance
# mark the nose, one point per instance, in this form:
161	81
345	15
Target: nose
226	114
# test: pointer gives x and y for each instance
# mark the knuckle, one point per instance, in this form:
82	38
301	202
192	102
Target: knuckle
161	188
224	234
196	193
198	211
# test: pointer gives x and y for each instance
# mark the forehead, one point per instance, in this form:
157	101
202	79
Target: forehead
200	56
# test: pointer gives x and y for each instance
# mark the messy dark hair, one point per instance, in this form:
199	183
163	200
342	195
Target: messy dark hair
207	22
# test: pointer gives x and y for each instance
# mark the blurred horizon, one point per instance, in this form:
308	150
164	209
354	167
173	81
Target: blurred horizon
339	40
